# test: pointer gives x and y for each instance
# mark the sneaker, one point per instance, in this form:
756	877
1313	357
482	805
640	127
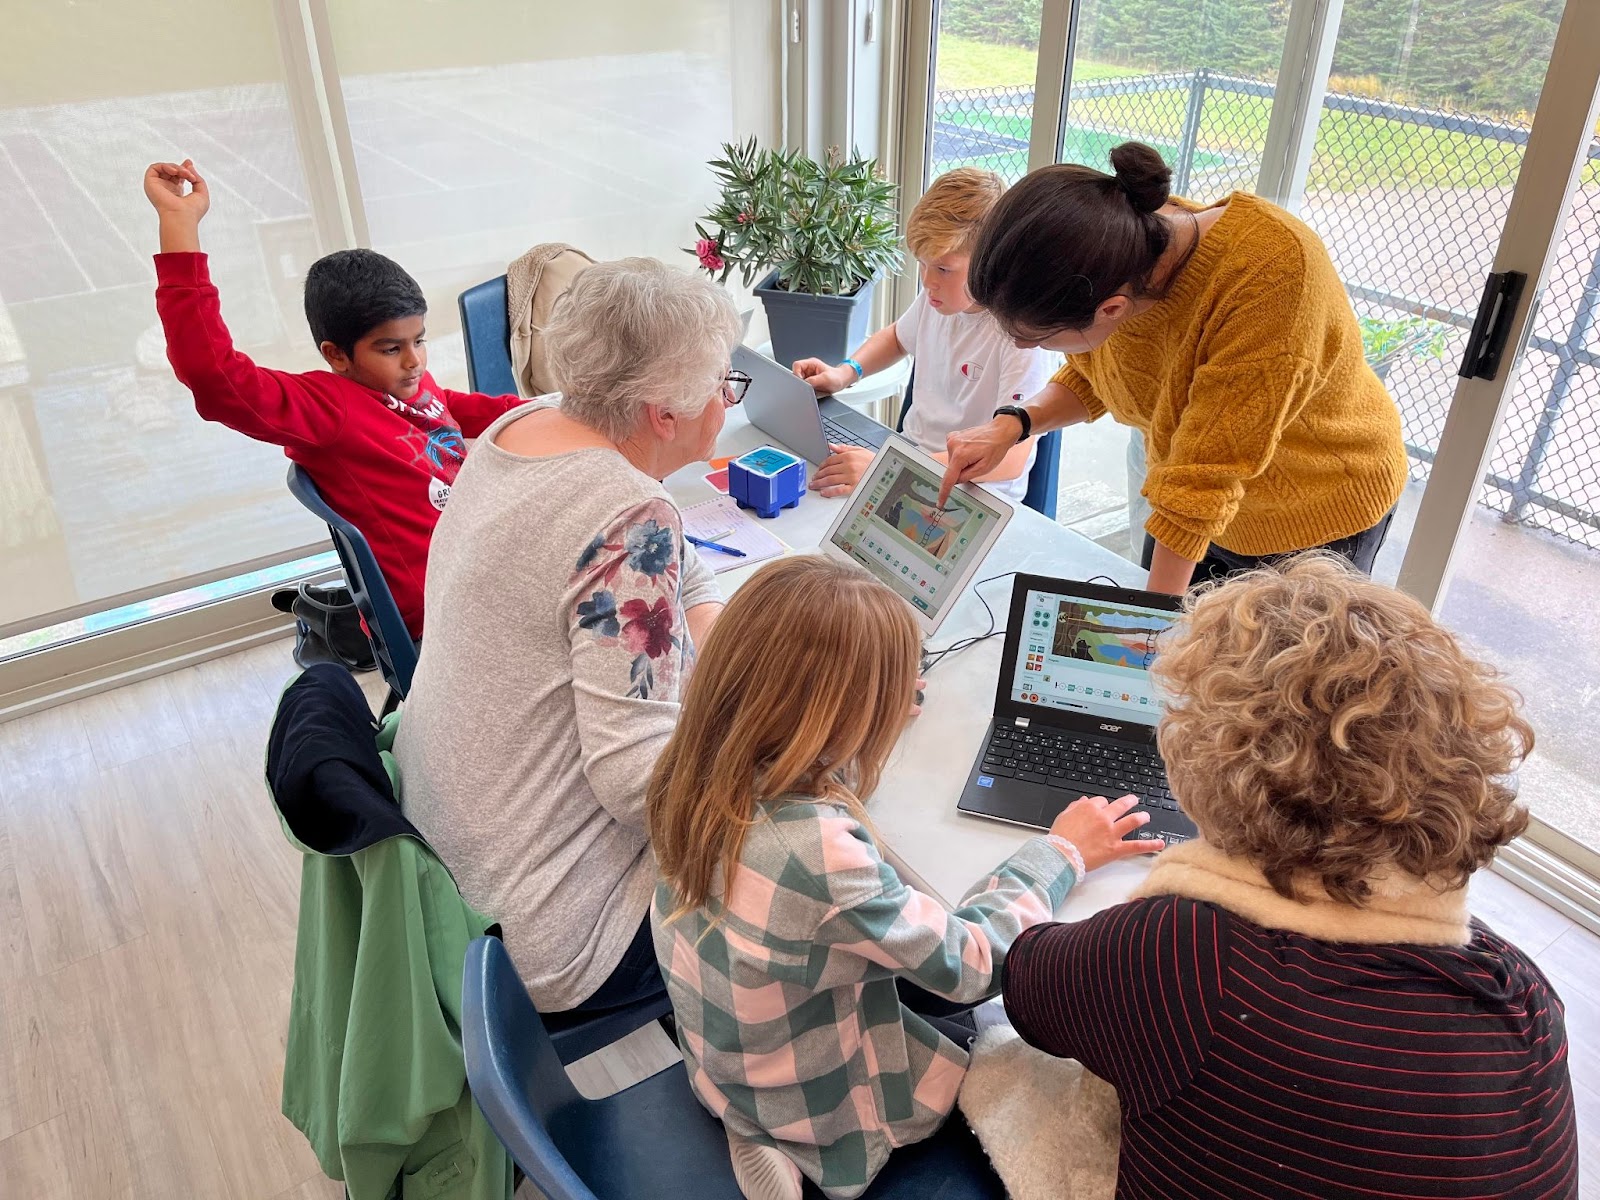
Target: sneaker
762	1172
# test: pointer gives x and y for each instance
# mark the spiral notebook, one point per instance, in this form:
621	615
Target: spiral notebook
723	521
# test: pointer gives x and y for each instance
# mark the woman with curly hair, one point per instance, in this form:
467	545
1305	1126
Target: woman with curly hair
565	611
1297	1004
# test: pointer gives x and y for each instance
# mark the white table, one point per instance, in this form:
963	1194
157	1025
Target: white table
940	849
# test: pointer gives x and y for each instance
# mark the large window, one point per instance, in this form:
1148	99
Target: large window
110	487
469	133
477	138
1194	82
1529	565
1406	135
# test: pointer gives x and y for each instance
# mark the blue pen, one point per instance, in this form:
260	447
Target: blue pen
709	545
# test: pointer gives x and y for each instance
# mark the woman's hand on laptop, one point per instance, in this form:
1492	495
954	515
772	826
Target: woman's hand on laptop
975	453
842	470
1098	827
824	380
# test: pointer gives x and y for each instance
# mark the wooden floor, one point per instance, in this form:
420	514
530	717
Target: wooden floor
147	917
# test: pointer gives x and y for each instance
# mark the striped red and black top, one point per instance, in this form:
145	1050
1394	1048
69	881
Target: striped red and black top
1257	1063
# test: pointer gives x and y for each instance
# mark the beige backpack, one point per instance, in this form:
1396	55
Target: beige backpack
533	285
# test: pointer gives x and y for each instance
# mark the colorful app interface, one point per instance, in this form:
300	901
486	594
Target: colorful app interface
1086	656
901	534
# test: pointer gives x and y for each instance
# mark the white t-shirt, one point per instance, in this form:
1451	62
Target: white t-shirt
966	368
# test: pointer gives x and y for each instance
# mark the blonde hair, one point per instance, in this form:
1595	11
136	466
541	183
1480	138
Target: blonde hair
946	219
1326	727
637	332
802	687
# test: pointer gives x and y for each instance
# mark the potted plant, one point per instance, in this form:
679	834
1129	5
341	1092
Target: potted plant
1386	340
823	232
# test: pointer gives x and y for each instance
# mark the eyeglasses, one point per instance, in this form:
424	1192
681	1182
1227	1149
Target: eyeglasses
736	384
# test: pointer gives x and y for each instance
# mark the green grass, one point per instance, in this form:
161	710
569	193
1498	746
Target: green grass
1353	151
964	63
1080	144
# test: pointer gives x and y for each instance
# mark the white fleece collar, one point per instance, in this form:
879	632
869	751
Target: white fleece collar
1403	910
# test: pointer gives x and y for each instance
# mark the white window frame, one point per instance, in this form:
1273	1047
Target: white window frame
81	667
1554	866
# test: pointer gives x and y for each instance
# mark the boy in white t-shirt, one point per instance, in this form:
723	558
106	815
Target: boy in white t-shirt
966	368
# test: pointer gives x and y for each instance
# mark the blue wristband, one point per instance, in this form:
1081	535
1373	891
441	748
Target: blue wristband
854	365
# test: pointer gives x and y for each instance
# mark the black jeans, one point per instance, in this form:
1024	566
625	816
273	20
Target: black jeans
950	1017
637	977
1359	549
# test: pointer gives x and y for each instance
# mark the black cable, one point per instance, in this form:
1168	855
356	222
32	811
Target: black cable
933	658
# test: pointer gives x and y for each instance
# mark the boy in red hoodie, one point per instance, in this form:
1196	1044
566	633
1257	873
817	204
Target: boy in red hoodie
381	439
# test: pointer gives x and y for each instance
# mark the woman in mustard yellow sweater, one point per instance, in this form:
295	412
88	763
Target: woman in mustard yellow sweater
1223	334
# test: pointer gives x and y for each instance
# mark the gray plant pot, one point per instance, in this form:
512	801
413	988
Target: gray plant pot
806	326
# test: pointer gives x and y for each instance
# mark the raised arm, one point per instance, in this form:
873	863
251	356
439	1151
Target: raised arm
270	406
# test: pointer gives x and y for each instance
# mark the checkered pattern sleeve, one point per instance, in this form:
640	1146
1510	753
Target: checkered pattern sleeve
880	918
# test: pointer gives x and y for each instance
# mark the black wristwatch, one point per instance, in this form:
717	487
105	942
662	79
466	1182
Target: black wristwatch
1021	414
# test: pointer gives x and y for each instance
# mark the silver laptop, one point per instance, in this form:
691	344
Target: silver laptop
785	408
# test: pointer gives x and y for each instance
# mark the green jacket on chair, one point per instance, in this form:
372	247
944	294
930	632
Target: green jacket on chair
373	1074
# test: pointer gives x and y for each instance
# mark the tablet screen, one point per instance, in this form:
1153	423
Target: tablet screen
896	529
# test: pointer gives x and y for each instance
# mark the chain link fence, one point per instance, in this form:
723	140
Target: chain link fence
1410	202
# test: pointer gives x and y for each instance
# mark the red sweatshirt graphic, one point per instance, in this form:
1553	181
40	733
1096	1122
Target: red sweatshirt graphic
385	465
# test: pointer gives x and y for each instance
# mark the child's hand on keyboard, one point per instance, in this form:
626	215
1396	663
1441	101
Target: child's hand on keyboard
1098	827
841	470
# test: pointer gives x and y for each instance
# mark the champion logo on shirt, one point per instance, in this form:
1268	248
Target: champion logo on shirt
971	370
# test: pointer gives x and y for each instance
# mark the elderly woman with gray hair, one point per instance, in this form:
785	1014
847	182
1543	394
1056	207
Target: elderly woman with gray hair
563	611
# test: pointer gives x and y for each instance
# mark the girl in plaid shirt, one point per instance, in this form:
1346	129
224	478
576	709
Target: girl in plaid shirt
781	930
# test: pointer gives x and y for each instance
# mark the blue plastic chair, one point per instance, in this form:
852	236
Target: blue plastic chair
486	330
1044	477
386	630
577	1035
652	1140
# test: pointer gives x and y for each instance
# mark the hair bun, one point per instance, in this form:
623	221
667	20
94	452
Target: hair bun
1143	175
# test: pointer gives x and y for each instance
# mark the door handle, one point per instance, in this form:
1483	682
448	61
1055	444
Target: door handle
1486	345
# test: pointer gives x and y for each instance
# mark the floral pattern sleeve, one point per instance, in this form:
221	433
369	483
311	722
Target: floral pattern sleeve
631	651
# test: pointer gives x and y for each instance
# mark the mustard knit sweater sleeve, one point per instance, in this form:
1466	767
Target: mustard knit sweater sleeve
1266	431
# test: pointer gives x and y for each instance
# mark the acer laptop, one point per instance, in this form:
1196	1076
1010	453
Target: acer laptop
1076	709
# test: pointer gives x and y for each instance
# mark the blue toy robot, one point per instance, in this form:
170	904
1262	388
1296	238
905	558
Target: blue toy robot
767	479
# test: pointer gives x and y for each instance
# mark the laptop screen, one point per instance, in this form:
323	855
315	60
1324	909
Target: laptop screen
1089	656
896	530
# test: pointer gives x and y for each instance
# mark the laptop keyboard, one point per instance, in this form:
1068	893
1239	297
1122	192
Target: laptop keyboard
1075	763
839	435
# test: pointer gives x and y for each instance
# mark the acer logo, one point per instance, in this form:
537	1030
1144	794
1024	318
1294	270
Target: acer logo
1111	728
